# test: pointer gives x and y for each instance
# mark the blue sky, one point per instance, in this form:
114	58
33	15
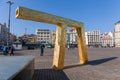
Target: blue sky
95	14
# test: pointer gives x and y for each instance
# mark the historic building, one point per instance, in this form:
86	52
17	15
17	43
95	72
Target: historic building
107	39
43	35
93	38
3	33
32	38
117	34
13	38
29	38
53	37
71	37
86	38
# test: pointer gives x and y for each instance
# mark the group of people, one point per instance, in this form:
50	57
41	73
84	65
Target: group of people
7	49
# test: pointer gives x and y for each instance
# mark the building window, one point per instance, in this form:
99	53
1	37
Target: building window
38	32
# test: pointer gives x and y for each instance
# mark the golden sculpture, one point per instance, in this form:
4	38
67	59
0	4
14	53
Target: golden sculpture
60	43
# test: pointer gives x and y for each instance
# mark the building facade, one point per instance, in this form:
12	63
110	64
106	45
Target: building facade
53	37
43	36
13	38
68	37
71	37
86	38
117	34
107	39
3	33
32	38
93	38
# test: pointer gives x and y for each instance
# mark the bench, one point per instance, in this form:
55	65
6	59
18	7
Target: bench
16	67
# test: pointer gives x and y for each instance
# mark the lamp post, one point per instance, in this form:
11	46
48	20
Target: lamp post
8	31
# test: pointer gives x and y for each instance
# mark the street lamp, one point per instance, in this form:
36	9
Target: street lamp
8	31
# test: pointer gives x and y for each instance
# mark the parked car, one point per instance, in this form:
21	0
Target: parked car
48	46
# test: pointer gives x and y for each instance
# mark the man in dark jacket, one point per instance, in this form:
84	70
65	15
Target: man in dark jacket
11	50
42	49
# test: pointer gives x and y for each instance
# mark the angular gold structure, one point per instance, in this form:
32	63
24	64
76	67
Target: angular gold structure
62	24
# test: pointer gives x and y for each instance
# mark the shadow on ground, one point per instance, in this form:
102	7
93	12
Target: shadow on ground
49	74
100	61
93	62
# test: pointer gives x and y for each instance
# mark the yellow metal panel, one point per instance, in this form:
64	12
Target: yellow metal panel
82	45
29	14
59	51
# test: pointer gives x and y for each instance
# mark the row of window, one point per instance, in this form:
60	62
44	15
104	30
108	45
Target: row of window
47	39
43	36
43	32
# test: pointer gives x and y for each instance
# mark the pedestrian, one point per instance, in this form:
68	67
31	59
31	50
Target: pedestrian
42	49
11	50
68	46
5	49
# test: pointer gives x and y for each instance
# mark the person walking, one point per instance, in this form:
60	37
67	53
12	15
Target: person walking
42	49
11	50
68	46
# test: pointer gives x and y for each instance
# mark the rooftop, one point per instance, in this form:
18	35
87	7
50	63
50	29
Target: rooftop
117	22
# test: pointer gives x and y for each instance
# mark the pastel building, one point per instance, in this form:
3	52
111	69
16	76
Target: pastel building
86	38
53	37
43	36
93	38
117	34
71	37
107	39
3	33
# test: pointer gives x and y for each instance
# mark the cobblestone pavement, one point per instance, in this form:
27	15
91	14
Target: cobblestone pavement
104	64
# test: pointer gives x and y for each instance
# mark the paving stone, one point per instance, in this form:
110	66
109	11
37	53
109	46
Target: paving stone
104	64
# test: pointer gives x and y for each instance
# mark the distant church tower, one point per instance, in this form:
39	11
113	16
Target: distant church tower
117	34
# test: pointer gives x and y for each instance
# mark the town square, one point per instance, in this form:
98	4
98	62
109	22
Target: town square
59	40
103	64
